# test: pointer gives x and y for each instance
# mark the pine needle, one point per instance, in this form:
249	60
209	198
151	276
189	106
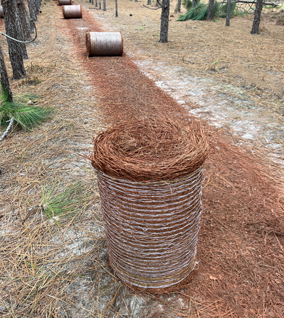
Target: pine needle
26	116
59	202
188	3
223	10
200	11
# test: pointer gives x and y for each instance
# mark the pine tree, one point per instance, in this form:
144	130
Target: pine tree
13	29
256	20
164	20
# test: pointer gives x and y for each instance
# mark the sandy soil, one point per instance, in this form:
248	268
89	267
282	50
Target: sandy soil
57	267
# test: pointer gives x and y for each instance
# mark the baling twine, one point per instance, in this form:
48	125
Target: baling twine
151	226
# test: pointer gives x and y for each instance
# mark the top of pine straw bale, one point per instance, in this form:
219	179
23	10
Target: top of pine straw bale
150	149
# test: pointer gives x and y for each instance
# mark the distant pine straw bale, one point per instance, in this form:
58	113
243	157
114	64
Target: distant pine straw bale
150	149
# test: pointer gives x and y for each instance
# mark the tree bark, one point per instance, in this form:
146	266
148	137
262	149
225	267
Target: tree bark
116	12
165	21
4	77
210	10
193	3
13	29
24	19
228	13
179	6
13	24
19	29
32	10
37	6
256	20
149	2
104	5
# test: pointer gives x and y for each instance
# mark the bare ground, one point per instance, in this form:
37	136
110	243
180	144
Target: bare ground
57	267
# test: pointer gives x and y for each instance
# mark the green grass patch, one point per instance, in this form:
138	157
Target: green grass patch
57	201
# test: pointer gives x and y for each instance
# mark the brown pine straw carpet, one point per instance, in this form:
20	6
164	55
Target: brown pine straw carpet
241	238
240	251
241	269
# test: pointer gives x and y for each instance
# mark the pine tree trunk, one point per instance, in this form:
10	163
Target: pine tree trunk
256	20
149	2
19	29
116	12
32	10
228	13
165	21
24	19
12	27
104	5
37	6
4	76
193	3
210	10
179	6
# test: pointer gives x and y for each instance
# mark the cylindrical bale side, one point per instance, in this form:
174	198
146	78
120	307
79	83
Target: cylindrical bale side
104	43
64	2
1	12
72	12
151	228
149	174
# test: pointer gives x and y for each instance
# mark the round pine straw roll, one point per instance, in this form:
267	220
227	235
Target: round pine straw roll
151	228
150	149
149	176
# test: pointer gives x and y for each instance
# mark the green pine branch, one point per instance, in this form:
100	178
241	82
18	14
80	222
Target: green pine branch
25	116
200	11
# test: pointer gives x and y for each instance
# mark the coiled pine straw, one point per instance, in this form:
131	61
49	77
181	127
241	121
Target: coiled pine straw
149	150
151	226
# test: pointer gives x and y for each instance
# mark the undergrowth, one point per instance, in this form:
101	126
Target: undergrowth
67	202
25	116
200	11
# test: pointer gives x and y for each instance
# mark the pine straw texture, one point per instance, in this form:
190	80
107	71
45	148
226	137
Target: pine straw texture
149	149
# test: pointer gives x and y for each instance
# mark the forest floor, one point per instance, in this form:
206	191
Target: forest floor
56	266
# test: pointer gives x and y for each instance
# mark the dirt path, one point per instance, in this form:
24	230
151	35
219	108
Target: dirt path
227	76
234	211
240	252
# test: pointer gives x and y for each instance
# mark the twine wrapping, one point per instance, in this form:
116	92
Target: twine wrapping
104	43
73	11
151	228
149	175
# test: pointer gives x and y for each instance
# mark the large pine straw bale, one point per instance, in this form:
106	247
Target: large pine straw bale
149	175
